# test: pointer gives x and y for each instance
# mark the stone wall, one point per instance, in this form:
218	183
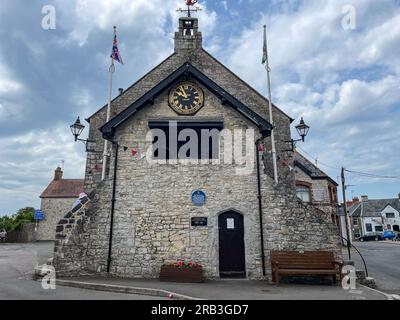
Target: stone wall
24	235
54	210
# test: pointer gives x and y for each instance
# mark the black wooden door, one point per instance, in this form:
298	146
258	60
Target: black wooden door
231	246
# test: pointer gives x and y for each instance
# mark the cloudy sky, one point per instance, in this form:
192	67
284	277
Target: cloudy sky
341	75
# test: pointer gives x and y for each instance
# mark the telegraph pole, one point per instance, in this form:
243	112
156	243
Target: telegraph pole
346	216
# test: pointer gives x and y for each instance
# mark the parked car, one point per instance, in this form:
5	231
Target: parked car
3	234
389	235
371	237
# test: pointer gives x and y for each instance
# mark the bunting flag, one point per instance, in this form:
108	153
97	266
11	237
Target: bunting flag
265	50
115	55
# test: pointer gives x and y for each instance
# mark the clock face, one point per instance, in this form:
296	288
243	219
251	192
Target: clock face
186	98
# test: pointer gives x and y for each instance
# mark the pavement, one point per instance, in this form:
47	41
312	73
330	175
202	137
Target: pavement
228	289
17	262
383	263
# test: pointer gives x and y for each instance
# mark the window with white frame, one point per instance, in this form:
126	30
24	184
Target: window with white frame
389	214
368	227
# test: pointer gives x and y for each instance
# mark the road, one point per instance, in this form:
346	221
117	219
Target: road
17	262
383	263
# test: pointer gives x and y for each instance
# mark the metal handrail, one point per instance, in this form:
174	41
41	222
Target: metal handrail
362	258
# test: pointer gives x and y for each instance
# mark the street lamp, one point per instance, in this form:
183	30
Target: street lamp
302	130
77	129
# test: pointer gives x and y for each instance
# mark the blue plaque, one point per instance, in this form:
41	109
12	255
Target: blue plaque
38	215
198	198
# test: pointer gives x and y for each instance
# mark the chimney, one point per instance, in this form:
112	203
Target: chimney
364	198
58	174
356	200
121	91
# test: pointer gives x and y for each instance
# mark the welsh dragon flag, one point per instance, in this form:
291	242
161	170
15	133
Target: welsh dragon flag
265	50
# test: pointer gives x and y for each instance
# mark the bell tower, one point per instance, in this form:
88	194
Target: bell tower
188	37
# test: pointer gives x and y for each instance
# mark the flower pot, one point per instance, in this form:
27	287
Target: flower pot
174	274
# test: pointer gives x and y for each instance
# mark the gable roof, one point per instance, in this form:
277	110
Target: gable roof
63	188
213	59
246	84
186	69
355	210
310	169
374	207
131	86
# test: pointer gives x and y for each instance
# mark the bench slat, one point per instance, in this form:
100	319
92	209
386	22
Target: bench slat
304	263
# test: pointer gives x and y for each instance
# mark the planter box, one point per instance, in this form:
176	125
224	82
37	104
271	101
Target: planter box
173	274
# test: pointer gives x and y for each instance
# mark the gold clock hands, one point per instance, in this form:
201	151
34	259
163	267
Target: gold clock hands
183	92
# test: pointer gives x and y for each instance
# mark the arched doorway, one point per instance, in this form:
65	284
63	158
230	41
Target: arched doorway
232	262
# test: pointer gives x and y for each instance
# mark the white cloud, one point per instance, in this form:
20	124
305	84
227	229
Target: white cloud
345	83
28	164
7	83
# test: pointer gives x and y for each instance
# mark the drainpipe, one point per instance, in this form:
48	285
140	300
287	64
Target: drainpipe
258	142
112	205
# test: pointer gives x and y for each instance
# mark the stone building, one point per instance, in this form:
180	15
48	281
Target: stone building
56	200
315	187
208	212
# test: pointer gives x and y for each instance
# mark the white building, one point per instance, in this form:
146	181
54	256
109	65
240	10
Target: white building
375	215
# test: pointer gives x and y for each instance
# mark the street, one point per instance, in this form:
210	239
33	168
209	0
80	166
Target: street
17	262
383	263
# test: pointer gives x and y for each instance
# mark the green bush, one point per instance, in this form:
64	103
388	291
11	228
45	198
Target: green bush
24	215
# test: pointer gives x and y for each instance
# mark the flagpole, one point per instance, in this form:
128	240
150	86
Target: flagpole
274	162
105	152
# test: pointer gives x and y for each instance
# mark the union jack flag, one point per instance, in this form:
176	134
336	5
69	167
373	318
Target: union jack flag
115	55
191	2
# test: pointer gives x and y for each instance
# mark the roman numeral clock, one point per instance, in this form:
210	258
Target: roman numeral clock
186	98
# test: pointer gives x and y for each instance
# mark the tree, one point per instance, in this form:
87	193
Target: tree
7	223
24	215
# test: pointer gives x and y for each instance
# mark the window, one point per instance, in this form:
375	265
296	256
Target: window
389	214
368	227
303	193
389	227
378	229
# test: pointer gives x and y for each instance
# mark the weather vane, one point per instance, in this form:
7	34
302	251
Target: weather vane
190	3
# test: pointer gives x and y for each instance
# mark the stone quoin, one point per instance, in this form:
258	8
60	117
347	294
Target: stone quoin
153	207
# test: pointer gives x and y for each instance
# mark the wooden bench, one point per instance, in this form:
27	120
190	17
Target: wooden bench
305	263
